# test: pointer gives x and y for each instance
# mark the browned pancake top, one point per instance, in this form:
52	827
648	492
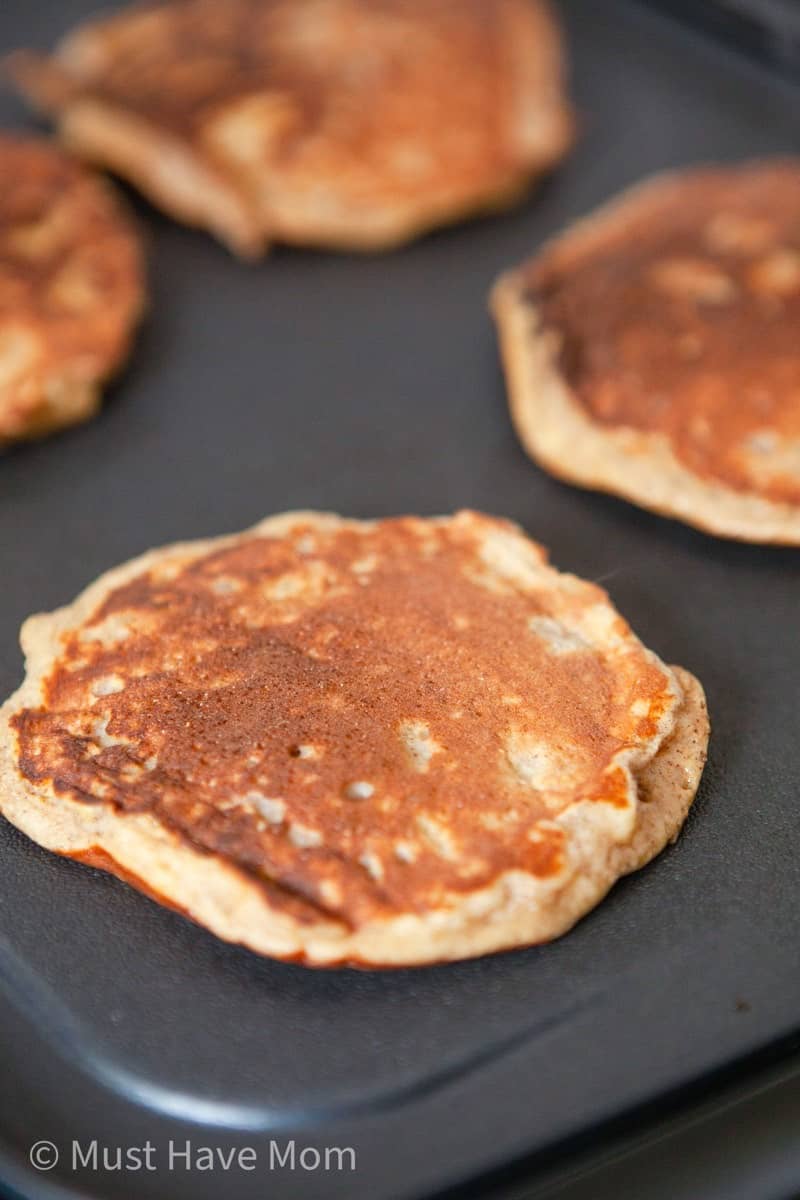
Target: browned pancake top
366	717
364	83
685	321
70	269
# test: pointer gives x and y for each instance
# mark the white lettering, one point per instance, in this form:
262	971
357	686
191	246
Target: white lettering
185	1154
87	1159
275	1156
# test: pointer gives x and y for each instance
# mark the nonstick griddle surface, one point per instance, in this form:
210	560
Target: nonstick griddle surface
371	386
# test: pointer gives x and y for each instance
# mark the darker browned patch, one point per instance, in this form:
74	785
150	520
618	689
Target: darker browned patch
685	322
267	678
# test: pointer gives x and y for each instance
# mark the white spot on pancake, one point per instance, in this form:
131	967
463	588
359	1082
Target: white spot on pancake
734	233
428	546
365	565
168	570
372	864
695	279
150	763
305	544
306	751
421	747
248	127
19	351
405	852
75	288
330	892
271	809
498	822
511	560
770	457
40	239
640	708
437	836
304	837
559	638
603	626
323	646
359	790
286	587
538	765
222	585
297	590
777	274
108	685
105	739
110	631
762	441
542	831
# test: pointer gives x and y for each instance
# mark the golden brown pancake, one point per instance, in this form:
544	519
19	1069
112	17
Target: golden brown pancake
71	288
653	350
379	742
348	123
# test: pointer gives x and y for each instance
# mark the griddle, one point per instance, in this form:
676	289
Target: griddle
371	386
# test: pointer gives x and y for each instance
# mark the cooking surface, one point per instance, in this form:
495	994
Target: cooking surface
372	386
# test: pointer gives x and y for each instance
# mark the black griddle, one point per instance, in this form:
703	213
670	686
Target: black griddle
371	386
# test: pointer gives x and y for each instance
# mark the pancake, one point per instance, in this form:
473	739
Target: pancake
338	741
652	350
347	123
71	288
